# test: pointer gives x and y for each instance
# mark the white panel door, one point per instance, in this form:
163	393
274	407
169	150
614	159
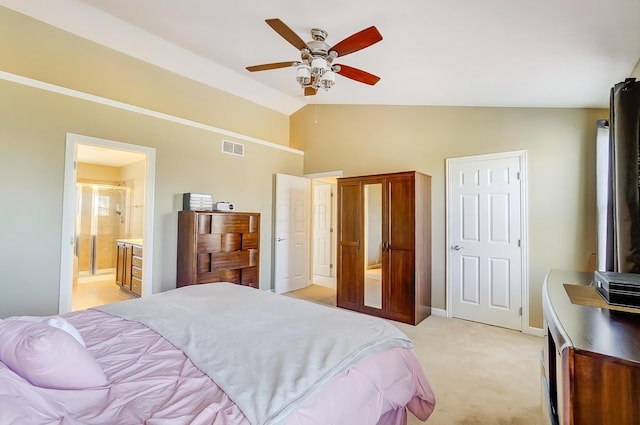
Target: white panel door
291	233
485	232
322	252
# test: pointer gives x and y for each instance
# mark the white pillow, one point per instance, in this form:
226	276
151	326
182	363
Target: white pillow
56	322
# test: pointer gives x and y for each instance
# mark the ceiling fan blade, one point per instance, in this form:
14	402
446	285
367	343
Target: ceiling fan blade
357	41
358	75
275	65
310	91
286	33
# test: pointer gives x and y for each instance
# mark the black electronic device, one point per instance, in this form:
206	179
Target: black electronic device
621	289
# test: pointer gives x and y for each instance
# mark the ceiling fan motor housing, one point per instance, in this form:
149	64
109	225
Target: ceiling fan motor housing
318	34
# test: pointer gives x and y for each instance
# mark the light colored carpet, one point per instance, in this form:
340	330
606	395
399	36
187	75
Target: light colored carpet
316	293
481	375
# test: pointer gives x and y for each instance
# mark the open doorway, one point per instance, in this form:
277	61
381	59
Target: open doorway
321	286
104	216
107	217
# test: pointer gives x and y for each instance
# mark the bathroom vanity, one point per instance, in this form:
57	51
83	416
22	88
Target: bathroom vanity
129	265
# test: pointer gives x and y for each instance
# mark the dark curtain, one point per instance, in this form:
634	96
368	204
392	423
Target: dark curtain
624	134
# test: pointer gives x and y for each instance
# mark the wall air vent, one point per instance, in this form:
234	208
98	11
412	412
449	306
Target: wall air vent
232	148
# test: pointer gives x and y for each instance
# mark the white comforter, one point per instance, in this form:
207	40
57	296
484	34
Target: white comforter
268	353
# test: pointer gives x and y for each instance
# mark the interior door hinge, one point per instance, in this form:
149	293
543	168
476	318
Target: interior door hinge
519	243
518	175
520	311
330	266
331	230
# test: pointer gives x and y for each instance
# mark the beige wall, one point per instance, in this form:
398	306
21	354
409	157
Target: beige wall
42	52
636	71
560	145
33	128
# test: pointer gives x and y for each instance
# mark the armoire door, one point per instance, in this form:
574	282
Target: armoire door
350	260
399	253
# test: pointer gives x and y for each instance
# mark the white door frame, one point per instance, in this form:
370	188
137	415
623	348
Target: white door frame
69	213
524	220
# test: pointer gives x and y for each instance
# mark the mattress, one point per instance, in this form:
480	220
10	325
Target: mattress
150	381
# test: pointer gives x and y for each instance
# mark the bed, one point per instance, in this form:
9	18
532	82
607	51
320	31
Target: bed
209	354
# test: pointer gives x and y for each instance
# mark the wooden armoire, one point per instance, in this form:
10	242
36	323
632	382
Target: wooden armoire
384	245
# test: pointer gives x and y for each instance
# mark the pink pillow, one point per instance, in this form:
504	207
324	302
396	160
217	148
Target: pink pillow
56	322
48	357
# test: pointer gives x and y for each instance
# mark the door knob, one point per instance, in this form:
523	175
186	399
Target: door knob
281	239
457	247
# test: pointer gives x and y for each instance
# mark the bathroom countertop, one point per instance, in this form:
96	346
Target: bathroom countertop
131	241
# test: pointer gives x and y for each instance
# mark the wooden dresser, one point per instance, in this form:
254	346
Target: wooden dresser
591	361
218	247
129	265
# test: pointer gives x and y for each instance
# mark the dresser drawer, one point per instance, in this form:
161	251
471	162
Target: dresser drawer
137	250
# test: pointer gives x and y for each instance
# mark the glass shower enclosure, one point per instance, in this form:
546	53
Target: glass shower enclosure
102	218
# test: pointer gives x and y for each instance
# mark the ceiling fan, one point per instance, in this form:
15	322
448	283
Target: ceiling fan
316	69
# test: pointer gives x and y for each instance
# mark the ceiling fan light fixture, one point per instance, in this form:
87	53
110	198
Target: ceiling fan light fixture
303	75
318	66
328	79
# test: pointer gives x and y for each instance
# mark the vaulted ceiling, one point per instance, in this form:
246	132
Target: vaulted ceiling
515	53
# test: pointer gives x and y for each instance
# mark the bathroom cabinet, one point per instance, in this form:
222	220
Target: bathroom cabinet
129	265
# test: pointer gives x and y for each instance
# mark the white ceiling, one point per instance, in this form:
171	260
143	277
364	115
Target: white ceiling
534	53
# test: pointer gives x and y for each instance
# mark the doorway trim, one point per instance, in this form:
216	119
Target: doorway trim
524	224
67	239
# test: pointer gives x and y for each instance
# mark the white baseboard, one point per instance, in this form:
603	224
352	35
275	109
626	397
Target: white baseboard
329	282
529	330
534	331
438	312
